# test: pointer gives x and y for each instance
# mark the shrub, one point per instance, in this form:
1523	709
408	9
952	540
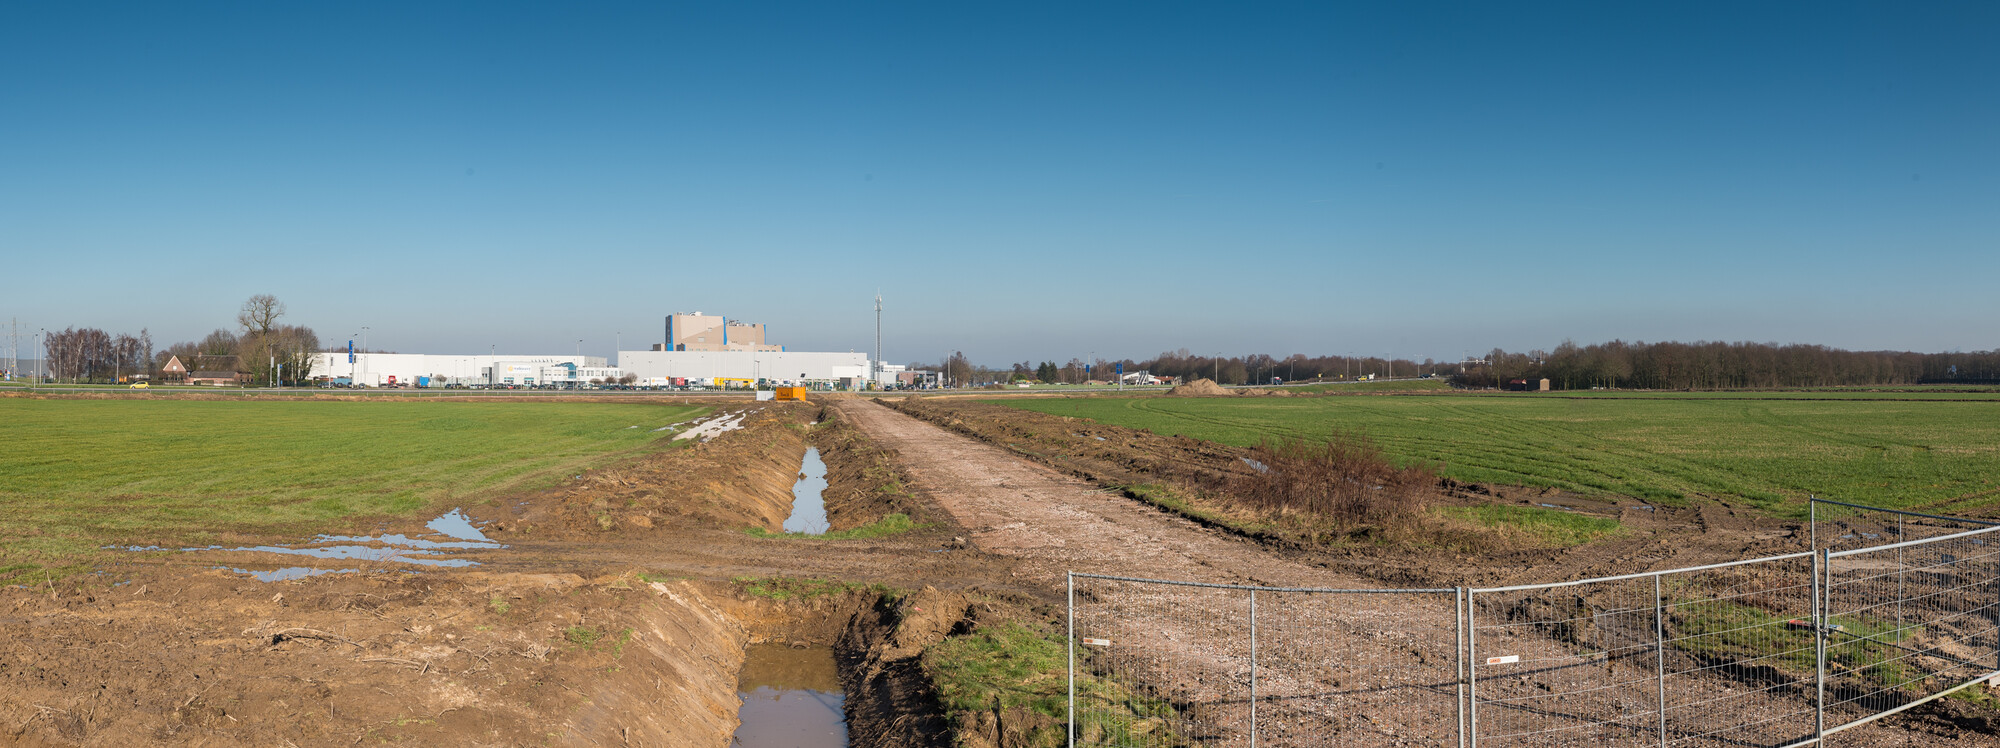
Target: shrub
1345	480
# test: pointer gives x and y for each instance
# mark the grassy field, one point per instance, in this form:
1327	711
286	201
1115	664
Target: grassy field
1771	452
77	474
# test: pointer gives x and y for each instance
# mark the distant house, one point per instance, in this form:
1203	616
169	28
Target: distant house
1528	385
174	370
215	378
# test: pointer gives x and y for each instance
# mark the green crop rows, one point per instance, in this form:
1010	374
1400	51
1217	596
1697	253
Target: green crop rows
1901	451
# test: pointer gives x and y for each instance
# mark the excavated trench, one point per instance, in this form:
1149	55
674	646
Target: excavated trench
816	664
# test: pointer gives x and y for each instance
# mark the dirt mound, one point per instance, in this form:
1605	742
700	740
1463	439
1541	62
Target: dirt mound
212	658
1199	388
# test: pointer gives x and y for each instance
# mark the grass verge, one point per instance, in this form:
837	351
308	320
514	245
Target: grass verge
800	588
1552	528
1013	667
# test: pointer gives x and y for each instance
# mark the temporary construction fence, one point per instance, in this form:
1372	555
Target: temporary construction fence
1776	651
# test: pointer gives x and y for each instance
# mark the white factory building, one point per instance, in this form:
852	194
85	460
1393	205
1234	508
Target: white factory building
377	369
775	367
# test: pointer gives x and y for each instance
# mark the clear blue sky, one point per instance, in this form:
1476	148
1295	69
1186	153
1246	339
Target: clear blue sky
1020	181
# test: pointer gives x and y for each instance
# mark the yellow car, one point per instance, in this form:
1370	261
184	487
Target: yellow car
140	385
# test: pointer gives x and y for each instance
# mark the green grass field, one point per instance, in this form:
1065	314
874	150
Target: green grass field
1772	452
77	474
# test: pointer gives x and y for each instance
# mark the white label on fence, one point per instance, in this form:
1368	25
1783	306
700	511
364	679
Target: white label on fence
1508	660
1097	642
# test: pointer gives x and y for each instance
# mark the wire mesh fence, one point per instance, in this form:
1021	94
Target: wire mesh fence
1775	651
1160	663
1906	622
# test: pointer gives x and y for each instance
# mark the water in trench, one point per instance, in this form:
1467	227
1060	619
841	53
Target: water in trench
791	699
808	497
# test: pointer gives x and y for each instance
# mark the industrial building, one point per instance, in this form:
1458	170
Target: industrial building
703	332
706	349
778	367
380	369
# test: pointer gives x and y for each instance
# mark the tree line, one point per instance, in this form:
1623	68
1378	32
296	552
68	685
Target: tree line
260	351
91	355
1718	365
1616	365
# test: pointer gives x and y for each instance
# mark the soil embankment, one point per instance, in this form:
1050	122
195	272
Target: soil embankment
213	658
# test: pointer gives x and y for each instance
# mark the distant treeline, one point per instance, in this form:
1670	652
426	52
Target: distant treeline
1714	365
1617	364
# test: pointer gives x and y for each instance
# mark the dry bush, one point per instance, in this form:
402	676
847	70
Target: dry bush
1345	481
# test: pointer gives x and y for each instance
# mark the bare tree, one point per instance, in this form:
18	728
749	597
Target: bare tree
260	313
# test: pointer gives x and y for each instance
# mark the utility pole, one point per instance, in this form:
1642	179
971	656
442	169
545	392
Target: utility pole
875	374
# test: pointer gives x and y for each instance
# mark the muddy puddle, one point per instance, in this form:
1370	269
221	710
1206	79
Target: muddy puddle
791	698
454	526
809	497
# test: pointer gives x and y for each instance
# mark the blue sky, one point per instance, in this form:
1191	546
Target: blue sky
1020	181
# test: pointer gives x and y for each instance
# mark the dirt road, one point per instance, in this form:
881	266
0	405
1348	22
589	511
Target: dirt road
1390	659
1055	523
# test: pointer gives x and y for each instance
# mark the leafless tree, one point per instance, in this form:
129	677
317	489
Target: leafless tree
260	313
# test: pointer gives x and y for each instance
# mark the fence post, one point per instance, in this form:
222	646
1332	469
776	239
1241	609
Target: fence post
1471	671
1820	595
1812	522
1660	654
1069	584
1253	669
1458	646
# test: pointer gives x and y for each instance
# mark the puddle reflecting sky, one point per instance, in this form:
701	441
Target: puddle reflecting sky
456	525
395	548
791	699
809	497
290	573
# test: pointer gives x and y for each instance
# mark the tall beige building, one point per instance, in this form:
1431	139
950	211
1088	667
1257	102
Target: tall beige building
702	332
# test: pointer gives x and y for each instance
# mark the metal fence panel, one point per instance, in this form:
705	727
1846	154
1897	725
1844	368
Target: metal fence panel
1738	651
1339	669
1909	621
1229	665
1566	664
1160	664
